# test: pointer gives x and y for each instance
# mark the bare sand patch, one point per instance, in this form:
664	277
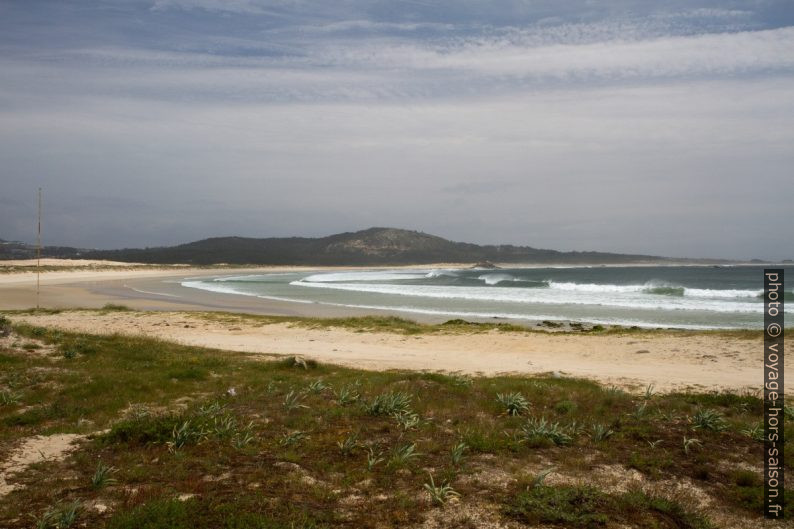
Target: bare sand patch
33	450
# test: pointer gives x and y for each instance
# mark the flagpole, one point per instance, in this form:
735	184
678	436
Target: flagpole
38	256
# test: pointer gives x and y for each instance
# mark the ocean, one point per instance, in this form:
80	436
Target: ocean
687	297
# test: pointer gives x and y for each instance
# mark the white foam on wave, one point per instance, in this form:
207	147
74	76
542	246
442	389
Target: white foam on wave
692	292
595	288
623	298
495	279
726	294
214	287
385	275
253	278
441	273
152	293
223	289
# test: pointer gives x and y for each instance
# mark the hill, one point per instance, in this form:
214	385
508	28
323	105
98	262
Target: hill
21	250
374	246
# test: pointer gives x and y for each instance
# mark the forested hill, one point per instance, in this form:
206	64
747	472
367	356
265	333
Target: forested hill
374	246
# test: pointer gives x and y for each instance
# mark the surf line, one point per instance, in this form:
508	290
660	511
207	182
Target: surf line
152	293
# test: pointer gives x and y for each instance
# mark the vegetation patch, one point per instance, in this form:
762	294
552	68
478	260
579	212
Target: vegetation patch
588	507
297	443
196	514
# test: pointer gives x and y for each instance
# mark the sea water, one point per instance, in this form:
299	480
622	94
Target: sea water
690	297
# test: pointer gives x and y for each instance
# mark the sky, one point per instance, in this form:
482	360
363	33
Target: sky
657	127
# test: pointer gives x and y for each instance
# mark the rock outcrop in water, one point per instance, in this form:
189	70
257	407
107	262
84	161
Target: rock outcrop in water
488	265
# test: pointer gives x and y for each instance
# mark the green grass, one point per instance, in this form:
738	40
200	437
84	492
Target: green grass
197	514
397	325
171	427
115	307
588	507
143	430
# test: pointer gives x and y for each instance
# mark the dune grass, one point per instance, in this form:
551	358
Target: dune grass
399	325
205	438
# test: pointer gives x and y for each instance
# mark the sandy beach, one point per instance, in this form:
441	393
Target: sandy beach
669	360
148	288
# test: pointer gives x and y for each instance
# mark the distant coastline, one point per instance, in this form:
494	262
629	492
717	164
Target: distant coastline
371	247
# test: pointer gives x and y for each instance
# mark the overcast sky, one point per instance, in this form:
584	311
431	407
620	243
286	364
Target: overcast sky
660	127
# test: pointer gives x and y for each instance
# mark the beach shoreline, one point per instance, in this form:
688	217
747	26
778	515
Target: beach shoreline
666	360
669	360
148	289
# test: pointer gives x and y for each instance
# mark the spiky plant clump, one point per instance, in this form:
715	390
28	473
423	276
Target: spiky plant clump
442	493
373	459
403	455
614	392
184	434
576	428
667	416
317	386
389	404
705	419
61	516
540	478
640	411
292	438
514	403
755	432
9	398
243	437
348	445
213	409
542	430
600	432
224	426
408	420
347	395
103	476
689	444
457	454
293	401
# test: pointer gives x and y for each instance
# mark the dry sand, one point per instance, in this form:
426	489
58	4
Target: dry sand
669	360
34	450
66	263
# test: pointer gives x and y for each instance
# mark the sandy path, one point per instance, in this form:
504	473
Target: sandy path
667	360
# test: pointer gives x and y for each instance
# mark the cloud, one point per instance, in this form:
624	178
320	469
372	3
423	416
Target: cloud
234	6
613	125
387	70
